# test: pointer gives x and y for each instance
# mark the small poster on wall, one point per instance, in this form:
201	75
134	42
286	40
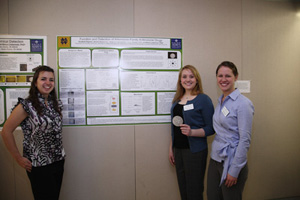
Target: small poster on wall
19	55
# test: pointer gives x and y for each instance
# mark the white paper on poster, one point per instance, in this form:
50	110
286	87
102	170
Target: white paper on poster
73	100
115	42
243	86
102	79
12	95
129	120
72	95
139	103
19	62
71	78
102	103
74	58
157	81
164	102
150	59
14	44
105	58
1	107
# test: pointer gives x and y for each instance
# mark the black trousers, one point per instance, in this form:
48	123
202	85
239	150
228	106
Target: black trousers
190	169
216	192
46	181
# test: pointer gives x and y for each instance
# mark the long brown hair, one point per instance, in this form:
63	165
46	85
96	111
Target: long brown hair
33	92
196	90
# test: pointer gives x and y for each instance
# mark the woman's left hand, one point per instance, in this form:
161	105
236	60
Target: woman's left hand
230	180
186	129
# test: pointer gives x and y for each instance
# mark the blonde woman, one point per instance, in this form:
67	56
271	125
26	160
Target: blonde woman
191	113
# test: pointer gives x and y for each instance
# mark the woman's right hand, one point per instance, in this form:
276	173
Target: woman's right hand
171	155
25	163
14	120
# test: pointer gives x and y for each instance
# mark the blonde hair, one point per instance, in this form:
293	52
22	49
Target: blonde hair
196	90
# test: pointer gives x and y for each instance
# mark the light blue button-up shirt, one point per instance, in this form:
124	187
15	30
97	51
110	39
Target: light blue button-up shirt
232	122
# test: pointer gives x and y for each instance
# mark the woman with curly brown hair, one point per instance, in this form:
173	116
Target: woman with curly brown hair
41	121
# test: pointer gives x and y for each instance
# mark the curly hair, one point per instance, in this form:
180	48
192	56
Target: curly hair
180	90
33	92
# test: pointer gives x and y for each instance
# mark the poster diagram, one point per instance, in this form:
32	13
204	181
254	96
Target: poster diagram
117	80
19	55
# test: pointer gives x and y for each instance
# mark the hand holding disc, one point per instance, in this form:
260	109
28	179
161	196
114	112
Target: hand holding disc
177	120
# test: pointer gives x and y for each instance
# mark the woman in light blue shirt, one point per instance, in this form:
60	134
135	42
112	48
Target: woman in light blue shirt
232	122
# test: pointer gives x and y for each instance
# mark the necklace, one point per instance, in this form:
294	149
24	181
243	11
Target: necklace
188	97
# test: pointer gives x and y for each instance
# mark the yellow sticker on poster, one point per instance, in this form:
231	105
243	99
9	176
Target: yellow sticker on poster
21	79
63	41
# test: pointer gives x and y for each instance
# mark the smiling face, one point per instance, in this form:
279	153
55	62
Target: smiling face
188	80
226	80
45	83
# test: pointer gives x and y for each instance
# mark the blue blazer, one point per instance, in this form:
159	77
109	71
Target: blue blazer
200	116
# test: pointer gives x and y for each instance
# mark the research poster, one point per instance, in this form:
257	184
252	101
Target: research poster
117	80
19	55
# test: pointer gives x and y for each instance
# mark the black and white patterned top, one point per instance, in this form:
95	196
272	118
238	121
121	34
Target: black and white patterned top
42	143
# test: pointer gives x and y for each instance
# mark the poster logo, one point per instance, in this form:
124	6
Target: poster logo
176	44
64	41
36	45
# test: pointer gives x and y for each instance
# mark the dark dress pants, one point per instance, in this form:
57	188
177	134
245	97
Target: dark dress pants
190	169
217	192
46	181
